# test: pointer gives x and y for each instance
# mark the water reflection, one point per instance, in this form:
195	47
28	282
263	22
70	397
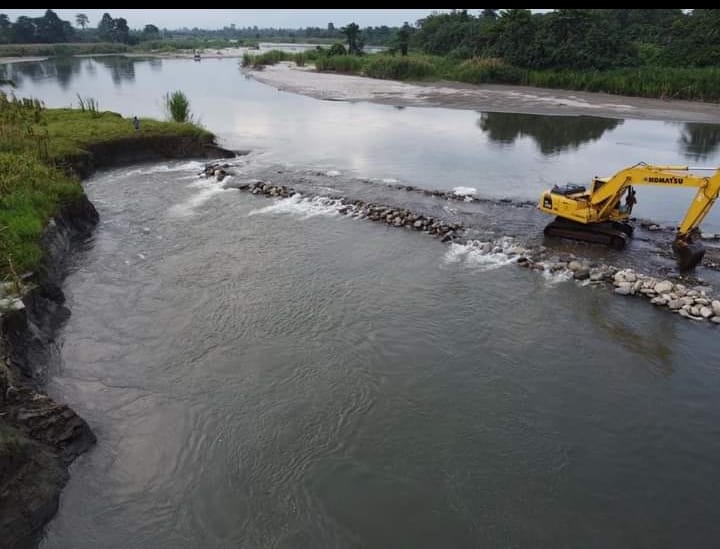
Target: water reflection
122	69
67	69
700	141
553	134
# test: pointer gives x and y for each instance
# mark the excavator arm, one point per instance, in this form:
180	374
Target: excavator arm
599	207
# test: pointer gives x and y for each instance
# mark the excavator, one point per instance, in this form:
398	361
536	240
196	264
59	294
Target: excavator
601	212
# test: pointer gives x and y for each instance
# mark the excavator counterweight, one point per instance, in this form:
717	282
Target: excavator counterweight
600	213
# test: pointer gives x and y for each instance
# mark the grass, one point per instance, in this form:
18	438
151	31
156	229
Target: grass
30	193
34	143
89	104
71	132
699	84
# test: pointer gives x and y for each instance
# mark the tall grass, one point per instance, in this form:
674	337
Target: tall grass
340	63
701	84
89	104
485	70
177	106
399	68
273	57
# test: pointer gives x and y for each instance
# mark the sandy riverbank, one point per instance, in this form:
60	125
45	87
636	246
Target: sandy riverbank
489	97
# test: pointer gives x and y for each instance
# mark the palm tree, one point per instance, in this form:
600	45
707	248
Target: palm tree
352	31
81	19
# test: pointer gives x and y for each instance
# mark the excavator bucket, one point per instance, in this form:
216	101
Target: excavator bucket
689	253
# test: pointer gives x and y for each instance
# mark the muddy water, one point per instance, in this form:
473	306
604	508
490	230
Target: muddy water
271	374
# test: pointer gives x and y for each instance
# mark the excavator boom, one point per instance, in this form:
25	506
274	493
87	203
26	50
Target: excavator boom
601	211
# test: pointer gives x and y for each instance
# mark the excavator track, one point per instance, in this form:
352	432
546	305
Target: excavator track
610	233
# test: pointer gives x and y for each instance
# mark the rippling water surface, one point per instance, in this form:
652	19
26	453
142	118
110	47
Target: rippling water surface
272	374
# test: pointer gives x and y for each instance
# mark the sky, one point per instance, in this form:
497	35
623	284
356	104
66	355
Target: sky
211	19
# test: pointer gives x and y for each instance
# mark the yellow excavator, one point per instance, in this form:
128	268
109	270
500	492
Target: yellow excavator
601	213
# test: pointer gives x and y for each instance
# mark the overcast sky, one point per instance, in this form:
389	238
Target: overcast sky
242	18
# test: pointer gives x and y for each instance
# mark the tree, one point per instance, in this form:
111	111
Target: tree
352	31
403	37
121	31
23	31
150	32
5	29
49	28
82	20
105	28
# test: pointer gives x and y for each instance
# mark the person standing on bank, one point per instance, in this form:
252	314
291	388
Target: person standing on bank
136	123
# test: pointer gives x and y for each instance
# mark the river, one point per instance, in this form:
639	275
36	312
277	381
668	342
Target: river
271	374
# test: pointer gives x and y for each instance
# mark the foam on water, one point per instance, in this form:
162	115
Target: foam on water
552	278
484	255
305	207
192	165
465	191
207	189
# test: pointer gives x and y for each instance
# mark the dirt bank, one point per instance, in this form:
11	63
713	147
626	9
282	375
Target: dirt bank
489	97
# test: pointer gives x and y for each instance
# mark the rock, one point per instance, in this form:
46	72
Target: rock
716	307
654	227
623	290
659	300
663	287
648	292
575	266
675	304
596	276
581	274
418	224
706	312
716	319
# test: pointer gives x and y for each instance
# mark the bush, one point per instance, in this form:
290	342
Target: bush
398	68
177	106
339	63
488	69
337	49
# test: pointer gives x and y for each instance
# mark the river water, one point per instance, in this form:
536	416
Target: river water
271	374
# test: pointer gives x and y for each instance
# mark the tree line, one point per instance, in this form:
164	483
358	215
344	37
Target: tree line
50	29
575	38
